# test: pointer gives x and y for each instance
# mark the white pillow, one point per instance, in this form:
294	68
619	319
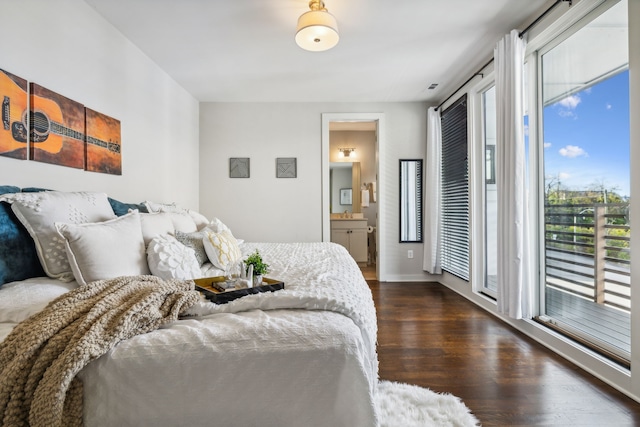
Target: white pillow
217	225
39	212
200	220
107	249
157	207
222	248
170	259
182	221
156	224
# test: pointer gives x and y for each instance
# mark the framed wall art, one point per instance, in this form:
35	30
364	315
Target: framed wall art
239	167
286	167
56	128
103	148
346	195
13	132
44	126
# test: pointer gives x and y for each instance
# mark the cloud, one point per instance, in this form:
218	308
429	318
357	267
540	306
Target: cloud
608	106
562	176
570	102
547	144
572	151
566	113
568	105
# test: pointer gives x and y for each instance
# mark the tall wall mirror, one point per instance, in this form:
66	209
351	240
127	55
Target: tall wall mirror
410	200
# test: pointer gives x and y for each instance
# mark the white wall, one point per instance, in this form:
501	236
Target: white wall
65	46
265	208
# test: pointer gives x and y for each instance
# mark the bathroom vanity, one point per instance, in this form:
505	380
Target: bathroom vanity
352	234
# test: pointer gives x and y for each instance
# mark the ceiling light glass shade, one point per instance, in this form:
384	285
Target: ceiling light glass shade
317	31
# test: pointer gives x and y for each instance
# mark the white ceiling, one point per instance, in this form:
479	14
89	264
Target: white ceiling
389	51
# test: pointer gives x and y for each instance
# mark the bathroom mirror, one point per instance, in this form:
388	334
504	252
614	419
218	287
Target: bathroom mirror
344	175
410	200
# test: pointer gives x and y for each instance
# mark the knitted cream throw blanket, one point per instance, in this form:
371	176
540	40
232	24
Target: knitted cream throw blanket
41	357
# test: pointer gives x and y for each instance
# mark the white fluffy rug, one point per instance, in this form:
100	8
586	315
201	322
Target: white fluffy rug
405	405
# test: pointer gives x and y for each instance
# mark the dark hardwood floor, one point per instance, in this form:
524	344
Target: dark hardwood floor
432	337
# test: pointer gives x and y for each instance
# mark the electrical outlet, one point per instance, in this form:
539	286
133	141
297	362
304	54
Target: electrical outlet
409	254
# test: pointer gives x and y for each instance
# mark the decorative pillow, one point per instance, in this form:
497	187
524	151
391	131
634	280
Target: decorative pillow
7	189
182	221
200	220
34	189
156	224
39	212
18	256
194	241
121	208
157	207
222	248
105	250
217	225
170	259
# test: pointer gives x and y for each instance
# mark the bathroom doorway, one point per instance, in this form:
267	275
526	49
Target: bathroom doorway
355	138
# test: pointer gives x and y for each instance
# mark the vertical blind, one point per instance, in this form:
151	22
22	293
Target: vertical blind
455	190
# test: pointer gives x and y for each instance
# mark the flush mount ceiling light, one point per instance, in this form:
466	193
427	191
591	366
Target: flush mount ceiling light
317	29
347	152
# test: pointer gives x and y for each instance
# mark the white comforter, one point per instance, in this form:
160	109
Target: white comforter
302	356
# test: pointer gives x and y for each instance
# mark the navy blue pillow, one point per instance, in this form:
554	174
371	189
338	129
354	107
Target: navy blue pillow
18	256
34	189
5	189
121	208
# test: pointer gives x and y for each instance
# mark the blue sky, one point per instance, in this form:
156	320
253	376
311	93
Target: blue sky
586	137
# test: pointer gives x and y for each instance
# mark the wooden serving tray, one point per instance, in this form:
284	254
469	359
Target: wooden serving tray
208	287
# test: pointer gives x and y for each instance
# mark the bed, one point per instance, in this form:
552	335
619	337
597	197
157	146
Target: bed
304	355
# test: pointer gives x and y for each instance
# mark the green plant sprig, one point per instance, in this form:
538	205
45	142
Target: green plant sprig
259	267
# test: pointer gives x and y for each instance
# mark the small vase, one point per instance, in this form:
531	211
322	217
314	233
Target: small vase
257	280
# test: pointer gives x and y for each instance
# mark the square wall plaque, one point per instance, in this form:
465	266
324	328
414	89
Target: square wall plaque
239	167
286	167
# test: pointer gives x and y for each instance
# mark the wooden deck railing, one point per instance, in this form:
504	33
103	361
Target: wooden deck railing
587	251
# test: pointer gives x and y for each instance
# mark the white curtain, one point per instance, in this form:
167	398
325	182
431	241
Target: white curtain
432	198
515	285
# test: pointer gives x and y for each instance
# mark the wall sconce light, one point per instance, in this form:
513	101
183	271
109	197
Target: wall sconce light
347	152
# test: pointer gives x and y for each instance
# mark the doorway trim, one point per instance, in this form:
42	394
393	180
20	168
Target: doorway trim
380	166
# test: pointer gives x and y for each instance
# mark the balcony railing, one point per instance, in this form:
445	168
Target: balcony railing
587	252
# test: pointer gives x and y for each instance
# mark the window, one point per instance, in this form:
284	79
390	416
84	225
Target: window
455	190
585	164
489	158
490	284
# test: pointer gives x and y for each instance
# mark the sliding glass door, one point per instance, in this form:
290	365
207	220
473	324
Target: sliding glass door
584	88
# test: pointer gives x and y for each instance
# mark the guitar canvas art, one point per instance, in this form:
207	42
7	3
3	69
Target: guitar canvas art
56	128
103	147
44	126
13	132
